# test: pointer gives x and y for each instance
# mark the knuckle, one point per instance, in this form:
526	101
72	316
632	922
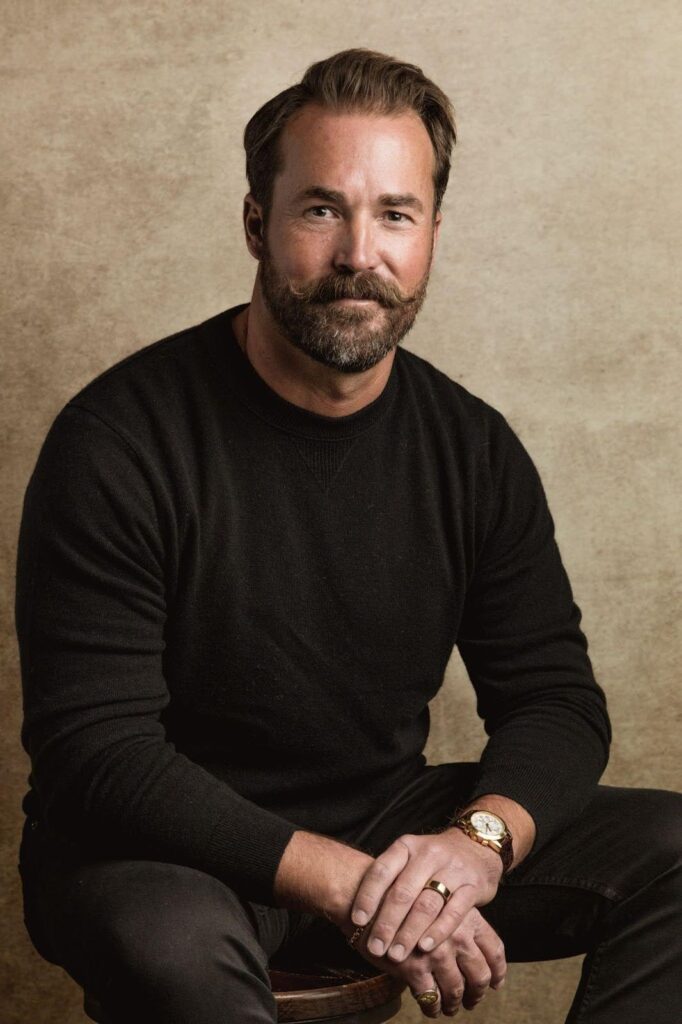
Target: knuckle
463	945
430	900
379	869
402	895
454	917
433	847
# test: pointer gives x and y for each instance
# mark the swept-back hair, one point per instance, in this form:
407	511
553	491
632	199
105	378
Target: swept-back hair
352	80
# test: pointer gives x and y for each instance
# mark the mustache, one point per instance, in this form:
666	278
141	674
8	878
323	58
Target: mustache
357	286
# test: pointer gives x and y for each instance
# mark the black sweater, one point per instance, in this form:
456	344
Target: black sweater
233	613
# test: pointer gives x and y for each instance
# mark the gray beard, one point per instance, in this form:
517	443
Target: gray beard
347	339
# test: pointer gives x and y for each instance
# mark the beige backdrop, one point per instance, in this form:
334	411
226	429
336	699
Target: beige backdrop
554	296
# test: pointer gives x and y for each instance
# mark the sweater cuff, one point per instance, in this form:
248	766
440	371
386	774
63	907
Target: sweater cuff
551	810
245	849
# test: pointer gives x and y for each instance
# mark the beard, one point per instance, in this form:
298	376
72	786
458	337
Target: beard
346	338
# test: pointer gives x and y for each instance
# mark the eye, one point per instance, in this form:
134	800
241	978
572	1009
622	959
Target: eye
315	210
396	213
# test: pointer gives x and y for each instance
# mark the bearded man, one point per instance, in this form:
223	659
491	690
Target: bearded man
246	555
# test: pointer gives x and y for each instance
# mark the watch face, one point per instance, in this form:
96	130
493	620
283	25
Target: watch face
487	824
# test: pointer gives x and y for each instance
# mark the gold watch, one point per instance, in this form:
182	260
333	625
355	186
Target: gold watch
489	830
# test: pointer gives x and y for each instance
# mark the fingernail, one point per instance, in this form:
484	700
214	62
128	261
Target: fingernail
426	943
359	917
376	946
396	951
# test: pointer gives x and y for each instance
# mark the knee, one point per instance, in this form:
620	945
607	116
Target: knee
658	821
190	940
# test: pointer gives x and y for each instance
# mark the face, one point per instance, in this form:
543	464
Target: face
347	252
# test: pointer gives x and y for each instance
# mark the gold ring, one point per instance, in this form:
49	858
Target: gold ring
428	998
438	887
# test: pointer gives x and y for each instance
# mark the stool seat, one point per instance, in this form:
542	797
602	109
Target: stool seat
316	995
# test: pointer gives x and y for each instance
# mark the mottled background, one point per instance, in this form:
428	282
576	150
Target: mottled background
555	297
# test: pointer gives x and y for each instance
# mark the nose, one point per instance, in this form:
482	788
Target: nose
356	246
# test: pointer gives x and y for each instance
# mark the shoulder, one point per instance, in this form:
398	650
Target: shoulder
152	377
437	396
142	412
154	398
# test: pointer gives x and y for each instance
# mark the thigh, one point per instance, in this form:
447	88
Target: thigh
560	899
105	920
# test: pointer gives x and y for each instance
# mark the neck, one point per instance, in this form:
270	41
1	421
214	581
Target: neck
298	378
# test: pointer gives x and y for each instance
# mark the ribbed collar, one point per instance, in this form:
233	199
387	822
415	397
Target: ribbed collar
252	390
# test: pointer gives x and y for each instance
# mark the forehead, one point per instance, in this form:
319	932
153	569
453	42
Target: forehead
356	151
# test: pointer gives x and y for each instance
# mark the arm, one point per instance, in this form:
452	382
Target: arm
521	642
545	715
320	876
95	552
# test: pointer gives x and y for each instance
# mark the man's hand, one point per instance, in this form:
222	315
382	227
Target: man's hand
323	876
392	888
461	968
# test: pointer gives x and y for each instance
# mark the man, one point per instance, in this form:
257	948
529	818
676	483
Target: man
246	554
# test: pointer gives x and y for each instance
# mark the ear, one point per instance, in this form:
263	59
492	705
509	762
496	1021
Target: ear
254	228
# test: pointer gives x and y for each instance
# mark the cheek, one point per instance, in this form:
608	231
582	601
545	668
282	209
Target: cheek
413	263
304	254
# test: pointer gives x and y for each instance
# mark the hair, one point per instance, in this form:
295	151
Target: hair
352	80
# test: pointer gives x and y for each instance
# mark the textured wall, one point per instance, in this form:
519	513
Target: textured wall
553	296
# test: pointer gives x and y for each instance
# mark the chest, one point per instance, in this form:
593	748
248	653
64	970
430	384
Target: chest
307	562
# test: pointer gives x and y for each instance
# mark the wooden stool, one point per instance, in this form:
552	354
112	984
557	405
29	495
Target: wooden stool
318	995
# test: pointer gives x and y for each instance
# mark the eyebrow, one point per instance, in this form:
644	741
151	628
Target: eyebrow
401	199
331	195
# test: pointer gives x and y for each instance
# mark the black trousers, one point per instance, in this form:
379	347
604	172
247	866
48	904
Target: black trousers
164	944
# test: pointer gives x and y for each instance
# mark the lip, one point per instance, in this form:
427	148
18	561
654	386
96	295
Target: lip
360	302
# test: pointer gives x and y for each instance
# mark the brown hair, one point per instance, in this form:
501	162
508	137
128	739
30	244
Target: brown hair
357	79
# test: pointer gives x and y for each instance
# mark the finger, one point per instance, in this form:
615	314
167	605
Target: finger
425	910
476	974
492	948
397	904
450	918
422	983
376	880
449	979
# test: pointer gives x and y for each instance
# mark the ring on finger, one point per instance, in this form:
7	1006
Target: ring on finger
428	998
440	888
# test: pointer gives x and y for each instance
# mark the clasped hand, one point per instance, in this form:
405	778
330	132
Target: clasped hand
410	921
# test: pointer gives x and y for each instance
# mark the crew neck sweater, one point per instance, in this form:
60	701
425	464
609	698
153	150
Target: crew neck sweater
233	612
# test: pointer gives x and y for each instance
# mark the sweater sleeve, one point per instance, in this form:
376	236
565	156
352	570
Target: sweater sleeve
91	610
526	655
